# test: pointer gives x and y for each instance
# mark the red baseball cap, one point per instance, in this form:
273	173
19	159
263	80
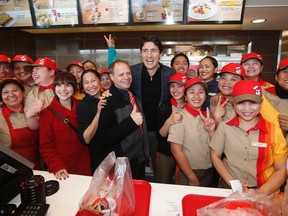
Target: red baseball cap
251	55
4	58
21	58
283	64
74	63
105	70
43	62
233	68
195	80
179	78
247	90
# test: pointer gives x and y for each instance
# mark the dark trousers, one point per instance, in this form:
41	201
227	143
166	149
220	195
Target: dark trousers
137	169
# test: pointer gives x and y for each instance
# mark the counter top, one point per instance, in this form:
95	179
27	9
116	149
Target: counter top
165	198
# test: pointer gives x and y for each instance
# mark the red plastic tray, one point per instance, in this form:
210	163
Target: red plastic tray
142	197
192	202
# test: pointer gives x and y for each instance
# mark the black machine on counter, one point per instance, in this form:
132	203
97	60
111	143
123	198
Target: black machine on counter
13	169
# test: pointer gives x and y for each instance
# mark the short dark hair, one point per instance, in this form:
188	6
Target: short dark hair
177	55
88	71
154	39
212	59
90	62
118	61
4	82
65	78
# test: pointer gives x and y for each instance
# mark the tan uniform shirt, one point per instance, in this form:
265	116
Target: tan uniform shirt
195	140
18	120
46	95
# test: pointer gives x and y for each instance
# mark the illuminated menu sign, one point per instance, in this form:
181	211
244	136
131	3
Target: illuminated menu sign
15	13
165	11
55	12
215	11
104	12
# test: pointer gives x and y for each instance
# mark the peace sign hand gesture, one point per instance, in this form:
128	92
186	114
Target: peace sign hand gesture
209	123
220	110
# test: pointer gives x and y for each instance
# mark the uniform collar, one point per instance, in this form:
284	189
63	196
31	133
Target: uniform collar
260	125
9	111
42	88
193	111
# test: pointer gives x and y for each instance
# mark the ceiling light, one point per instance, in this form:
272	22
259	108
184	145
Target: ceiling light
257	21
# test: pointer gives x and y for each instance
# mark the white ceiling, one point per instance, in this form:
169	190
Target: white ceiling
275	11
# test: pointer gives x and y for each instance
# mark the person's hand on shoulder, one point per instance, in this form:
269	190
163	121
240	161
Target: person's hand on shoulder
214	99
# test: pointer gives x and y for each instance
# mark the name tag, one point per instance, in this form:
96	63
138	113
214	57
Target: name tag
259	144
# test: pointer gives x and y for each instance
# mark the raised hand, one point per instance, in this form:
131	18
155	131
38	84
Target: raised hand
35	108
102	103
136	116
220	109
209	123
110	41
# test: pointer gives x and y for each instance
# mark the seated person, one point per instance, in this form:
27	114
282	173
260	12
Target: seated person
253	149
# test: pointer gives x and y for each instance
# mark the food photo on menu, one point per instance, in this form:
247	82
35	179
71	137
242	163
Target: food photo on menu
104	12
55	12
15	13
168	11
215	10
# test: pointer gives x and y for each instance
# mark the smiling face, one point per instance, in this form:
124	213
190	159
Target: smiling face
247	110
121	76
252	68
12	96
150	55
177	90
5	71
226	83
20	72
206	70
91	84
282	78
64	91
105	81
181	65
196	96
42	75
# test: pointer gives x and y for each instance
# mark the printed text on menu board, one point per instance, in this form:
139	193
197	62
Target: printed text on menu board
167	11
55	12
214	10
15	13
104	11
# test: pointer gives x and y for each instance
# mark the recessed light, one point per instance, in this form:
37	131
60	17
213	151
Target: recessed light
257	21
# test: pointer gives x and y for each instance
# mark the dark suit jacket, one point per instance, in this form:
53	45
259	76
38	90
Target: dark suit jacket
166	72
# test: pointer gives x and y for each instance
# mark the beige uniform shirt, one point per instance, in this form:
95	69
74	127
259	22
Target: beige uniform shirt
18	120
195	140
47	96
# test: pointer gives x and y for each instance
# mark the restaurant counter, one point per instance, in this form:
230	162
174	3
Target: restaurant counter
165	198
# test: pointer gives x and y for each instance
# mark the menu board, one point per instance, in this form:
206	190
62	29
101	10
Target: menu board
166	11
215	11
55	12
15	13
104	12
